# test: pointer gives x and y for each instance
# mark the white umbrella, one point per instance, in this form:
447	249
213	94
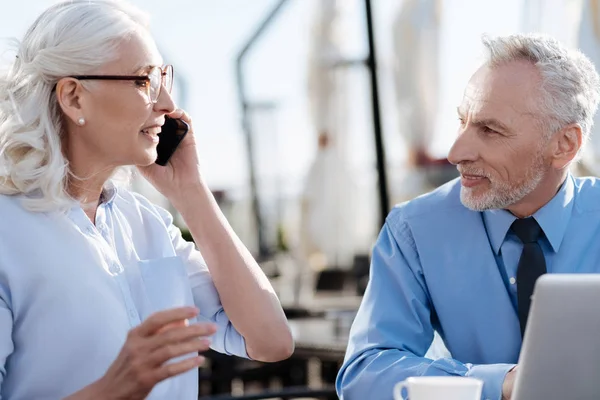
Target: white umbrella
416	32
588	36
416	45
328	228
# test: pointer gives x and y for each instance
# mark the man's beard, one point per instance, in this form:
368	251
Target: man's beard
502	194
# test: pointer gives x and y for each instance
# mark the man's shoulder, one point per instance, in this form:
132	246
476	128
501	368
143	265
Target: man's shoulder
587	194
438	203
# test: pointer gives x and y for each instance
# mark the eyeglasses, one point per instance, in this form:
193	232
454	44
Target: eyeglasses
154	81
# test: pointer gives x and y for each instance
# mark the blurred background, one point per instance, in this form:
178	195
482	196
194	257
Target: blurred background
315	117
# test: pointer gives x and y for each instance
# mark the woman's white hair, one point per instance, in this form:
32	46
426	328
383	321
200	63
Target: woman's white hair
570	88
70	38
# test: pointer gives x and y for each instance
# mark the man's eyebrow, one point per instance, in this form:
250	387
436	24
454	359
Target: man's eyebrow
492	122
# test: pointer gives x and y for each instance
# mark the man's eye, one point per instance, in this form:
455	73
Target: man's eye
487	129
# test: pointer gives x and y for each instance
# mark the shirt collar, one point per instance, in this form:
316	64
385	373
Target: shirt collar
552	218
109	192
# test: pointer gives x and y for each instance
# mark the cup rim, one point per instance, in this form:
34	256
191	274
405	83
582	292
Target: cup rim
453	380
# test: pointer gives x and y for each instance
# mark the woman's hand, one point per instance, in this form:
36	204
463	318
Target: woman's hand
182	172
144	359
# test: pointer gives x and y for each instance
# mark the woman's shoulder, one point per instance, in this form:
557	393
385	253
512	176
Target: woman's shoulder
12	207
17	220
8	201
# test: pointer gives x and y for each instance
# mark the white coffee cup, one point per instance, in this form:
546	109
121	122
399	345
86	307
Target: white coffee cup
439	388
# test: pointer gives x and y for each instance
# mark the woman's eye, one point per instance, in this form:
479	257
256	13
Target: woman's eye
143	83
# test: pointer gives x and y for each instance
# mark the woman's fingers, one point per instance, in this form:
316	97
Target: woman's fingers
159	319
179	334
169	370
168	352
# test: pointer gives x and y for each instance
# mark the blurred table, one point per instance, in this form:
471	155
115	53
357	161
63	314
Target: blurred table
333	301
320	347
322	304
325	339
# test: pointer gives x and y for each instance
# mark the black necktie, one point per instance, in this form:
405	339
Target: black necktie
531	264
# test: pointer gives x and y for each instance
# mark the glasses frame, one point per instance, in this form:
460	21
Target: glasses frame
165	71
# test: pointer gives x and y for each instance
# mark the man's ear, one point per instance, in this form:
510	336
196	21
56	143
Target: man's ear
566	145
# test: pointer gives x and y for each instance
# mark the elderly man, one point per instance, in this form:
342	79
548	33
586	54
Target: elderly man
462	259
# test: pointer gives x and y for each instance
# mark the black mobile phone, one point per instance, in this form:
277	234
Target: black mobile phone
170	136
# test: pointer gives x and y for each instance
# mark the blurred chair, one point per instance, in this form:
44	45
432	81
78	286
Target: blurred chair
361	268
332	280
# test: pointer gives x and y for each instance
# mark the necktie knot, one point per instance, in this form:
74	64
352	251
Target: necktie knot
527	229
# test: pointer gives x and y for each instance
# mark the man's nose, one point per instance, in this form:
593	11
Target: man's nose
464	148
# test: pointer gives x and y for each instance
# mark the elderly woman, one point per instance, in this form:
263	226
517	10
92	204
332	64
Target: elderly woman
100	297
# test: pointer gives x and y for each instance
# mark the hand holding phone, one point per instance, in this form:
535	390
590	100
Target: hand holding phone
171	135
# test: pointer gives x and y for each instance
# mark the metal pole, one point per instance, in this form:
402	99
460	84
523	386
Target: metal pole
247	126
377	130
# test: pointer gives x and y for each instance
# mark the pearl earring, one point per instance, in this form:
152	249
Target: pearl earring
81	121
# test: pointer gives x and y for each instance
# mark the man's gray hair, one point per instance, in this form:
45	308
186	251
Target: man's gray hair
570	84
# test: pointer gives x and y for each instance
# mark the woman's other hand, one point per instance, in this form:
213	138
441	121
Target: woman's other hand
144	358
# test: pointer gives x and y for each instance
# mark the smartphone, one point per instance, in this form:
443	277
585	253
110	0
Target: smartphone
171	135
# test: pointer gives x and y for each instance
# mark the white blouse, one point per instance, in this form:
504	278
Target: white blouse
70	292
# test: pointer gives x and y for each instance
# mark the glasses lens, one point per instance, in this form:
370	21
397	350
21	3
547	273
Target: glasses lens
168	77
155	83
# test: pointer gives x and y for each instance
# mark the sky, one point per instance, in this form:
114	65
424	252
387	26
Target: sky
202	38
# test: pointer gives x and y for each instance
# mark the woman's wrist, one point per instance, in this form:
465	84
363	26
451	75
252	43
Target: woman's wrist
96	390
190	197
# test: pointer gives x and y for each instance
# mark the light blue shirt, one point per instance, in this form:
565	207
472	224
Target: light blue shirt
440	266
70	292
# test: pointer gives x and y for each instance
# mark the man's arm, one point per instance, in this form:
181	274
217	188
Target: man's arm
392	330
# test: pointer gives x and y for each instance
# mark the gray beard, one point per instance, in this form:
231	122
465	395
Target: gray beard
503	194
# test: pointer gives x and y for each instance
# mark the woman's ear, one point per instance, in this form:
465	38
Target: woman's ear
69	96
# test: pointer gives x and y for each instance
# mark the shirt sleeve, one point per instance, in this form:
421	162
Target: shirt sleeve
6	326
227	339
393	330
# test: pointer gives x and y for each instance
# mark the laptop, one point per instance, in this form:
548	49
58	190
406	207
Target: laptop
560	356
